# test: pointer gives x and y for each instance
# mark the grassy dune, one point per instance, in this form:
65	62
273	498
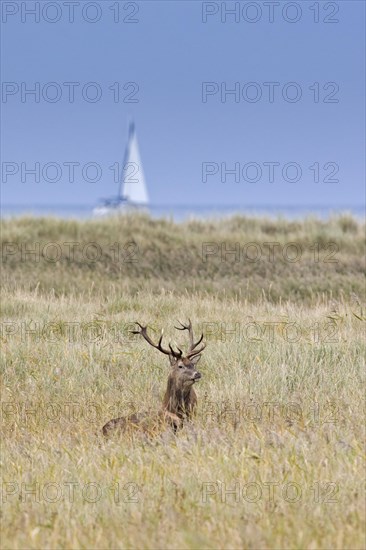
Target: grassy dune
245	257
275	456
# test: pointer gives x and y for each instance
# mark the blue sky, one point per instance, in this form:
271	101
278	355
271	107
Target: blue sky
168	53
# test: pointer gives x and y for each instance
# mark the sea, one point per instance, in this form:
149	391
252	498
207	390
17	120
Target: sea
180	212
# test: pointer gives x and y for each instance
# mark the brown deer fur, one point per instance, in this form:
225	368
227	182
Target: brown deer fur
180	399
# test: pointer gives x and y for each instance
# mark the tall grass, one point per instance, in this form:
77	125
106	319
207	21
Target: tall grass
299	260
275	455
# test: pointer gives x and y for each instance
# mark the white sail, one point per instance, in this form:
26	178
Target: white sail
133	186
132	193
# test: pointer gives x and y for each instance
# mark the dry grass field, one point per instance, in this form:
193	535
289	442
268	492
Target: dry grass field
275	457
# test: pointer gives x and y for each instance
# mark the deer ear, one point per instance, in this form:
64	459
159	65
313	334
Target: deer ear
172	360
195	359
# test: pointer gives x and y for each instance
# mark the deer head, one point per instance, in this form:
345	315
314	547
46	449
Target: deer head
180	398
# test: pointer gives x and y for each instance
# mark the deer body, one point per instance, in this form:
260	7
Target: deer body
180	399
148	423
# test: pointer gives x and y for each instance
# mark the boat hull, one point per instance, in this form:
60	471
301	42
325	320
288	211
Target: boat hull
120	209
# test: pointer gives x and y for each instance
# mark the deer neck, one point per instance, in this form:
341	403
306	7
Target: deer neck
179	402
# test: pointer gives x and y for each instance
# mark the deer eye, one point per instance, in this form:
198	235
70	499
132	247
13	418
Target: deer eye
181	366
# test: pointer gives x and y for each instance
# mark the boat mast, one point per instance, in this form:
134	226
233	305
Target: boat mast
131	131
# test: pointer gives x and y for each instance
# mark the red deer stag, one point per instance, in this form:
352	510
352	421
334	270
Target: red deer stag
180	399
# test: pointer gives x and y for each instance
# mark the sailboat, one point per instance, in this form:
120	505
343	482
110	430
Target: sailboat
132	193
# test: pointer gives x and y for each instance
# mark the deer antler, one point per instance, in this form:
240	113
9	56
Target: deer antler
192	345
158	346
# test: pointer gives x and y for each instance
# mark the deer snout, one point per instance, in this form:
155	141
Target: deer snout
197	375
